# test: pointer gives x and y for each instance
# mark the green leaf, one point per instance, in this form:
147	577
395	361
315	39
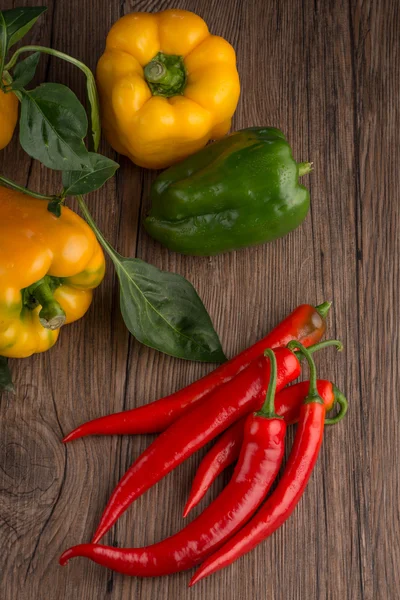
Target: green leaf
6	384
85	181
25	71
53	124
163	311
19	21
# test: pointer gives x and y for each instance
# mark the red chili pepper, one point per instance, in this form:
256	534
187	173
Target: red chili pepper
284	499
306	323
196	428
258	465
227	448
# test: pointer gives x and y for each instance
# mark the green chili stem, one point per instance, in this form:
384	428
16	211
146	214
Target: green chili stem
90	84
341	399
325	344
19	188
313	395
51	316
323	309
268	408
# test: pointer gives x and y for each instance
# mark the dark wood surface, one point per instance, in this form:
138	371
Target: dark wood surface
328	74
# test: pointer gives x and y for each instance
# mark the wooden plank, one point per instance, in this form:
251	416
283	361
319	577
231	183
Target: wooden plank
328	75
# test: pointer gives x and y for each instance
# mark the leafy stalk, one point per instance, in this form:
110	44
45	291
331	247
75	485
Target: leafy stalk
11	184
90	86
162	310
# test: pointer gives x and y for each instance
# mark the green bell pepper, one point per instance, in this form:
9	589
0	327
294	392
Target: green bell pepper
240	191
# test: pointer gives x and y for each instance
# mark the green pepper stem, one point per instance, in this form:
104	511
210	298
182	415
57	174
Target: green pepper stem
323	309
11	184
90	86
51	316
268	408
313	395
341	400
305	168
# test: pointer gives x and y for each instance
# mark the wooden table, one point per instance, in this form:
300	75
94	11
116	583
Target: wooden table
328	75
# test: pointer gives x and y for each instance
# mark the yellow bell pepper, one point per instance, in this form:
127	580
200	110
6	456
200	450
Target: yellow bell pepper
166	85
8	117
48	268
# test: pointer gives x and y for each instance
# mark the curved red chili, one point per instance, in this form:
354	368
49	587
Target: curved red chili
227	448
287	494
259	462
196	428
306	323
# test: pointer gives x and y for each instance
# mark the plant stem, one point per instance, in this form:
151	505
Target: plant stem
107	247
323	309
305	168
268	408
51	316
313	395
11	184
340	399
8	79
90	84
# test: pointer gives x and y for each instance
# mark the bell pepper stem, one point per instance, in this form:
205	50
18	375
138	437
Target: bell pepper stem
305	168
51	315
155	71
268	408
323	309
166	75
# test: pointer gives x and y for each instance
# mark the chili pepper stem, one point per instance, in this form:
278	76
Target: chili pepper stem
341	399
313	395
323	309
268	408
51	316
326	344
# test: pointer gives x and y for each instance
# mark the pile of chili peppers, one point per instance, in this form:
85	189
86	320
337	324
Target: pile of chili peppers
247	401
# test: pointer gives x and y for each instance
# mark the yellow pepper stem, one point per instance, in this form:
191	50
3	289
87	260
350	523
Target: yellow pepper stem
51	315
166	75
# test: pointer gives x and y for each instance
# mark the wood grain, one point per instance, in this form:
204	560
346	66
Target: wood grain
327	74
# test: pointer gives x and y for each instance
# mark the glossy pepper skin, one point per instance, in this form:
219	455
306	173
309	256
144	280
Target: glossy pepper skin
196	428
8	117
306	323
240	191
62	254
166	86
227	448
258	465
